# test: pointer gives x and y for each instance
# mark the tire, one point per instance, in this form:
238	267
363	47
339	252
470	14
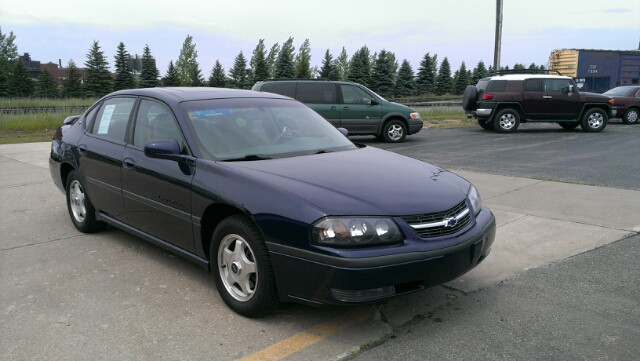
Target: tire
241	268
469	98
485	124
568	125
506	121
394	131
81	211
594	120
631	116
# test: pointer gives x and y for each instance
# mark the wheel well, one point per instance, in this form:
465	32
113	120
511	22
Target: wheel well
592	106
404	121
502	107
212	216
65	169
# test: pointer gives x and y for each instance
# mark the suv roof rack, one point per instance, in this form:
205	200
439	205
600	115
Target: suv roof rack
279	79
524	71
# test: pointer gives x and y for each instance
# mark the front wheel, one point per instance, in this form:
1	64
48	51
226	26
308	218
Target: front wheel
630	116
506	121
594	120
394	131
568	125
82	213
241	268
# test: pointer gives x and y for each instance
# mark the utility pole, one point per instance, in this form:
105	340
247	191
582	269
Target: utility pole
496	51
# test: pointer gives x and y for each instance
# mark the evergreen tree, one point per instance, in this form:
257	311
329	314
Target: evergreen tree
479	72
124	74
187	65
47	86
360	67
271	60
171	78
342	65
97	81
72	87
426	77
444	82
519	66
303	61
217	78
238	74
258	63
382	76
149	73
195	76
328	70
8	57
284	67
542	67
462	81
20	84
405	81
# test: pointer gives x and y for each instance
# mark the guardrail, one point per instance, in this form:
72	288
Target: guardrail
52	109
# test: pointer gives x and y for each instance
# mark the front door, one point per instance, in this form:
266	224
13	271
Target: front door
357	113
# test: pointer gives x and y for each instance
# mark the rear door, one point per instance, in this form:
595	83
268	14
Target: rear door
357	114
322	97
157	192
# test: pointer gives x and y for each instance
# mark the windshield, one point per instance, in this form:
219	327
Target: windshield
619	91
260	128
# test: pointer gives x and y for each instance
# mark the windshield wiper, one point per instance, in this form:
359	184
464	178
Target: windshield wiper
321	151
247	158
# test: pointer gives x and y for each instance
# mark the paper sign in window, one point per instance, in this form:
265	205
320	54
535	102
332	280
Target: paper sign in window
106	119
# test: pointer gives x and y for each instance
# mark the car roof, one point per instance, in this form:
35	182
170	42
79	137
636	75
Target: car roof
196	93
525	76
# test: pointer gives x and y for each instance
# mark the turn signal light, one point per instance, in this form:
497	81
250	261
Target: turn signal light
611	101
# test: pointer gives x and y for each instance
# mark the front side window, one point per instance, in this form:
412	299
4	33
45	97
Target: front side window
155	122
555	85
354	95
113	117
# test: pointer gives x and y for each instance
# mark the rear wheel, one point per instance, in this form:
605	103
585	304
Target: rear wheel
82	213
485	124
569	126
594	120
241	268
630	116
506	121
394	131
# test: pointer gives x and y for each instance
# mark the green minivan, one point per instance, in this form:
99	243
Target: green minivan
349	105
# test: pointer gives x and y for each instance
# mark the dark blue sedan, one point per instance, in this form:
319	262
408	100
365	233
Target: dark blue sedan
259	189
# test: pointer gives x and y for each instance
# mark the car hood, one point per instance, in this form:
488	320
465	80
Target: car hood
594	97
365	181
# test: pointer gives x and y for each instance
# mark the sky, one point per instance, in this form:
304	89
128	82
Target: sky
461	30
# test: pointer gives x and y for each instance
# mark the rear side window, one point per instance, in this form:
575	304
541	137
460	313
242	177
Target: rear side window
283	88
112	119
496	86
316	93
532	85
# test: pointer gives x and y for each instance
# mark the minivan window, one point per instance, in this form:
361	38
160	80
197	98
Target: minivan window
354	95
316	92
283	88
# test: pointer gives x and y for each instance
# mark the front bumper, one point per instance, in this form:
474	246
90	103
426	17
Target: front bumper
311	281
415	125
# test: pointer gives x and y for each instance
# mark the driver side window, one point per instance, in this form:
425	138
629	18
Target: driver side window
354	95
154	122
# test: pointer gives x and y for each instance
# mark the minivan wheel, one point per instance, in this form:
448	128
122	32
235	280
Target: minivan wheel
594	120
630	116
241	267
506	121
82	213
394	131
569	126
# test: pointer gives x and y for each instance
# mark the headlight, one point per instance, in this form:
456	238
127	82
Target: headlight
474	198
414	115
355	231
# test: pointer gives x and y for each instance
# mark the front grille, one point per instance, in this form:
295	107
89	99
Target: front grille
441	230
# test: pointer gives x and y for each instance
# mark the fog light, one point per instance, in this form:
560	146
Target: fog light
362	295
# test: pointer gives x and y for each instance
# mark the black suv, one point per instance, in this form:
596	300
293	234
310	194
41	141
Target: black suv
502	102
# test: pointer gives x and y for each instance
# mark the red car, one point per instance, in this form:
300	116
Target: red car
627	101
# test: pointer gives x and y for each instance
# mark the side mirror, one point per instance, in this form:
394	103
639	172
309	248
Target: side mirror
163	149
374	102
344	131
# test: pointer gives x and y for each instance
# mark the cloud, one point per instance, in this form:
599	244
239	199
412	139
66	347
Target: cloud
617	11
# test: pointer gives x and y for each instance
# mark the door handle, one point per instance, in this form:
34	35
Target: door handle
547	97
333	108
129	163
345	108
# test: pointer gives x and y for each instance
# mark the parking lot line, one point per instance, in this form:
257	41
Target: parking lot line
307	338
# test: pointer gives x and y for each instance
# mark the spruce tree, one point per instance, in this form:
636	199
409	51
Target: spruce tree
405	81
8	57
303	61
238	74
124	78
426	76
519	66
479	72
72	87
271	60
20	83
462	81
284	67
171	77
149	73
444	82
383	75
328	70
360	67
195	76
47	86
97	81
258	63
187	61
342	65
217	78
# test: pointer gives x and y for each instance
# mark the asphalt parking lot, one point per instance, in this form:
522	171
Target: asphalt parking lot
66	295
